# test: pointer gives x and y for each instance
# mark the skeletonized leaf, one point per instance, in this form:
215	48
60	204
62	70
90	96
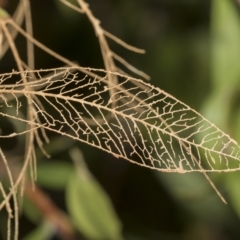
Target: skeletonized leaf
139	122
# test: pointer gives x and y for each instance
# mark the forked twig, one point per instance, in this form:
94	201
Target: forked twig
14	193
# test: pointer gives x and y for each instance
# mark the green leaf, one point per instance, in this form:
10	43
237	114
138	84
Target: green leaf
44	231
225	44
54	175
232	187
225	53
90	207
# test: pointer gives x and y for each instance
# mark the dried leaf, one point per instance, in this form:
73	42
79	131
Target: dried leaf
146	126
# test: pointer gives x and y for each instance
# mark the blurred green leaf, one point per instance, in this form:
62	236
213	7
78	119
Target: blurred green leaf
225	52
54	175
232	187
216	109
89	206
226	78
31	211
42	232
236	126
225	44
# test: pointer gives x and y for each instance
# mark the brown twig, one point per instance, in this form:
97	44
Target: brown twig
51	212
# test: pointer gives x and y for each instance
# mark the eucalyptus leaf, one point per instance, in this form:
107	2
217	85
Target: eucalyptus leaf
90	207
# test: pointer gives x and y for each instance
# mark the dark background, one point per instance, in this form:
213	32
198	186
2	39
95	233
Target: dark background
176	36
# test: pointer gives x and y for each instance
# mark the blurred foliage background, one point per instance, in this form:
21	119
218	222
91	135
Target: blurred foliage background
193	53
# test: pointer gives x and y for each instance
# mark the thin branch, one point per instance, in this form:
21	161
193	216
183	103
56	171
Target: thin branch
9	211
72	6
29	30
30	114
124	44
48	50
130	67
50	211
18	18
14	192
